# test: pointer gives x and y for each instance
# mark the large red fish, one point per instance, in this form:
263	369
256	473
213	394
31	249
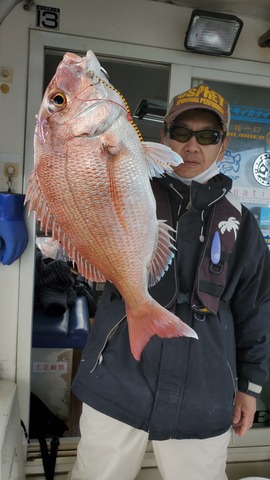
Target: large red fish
90	187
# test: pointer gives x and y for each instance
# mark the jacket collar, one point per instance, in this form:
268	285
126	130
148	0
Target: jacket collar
201	195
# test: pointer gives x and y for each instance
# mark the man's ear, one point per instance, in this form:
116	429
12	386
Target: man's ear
223	149
162	136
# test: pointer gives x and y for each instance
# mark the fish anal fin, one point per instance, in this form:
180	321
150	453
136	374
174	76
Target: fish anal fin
153	319
85	268
160	158
90	272
163	254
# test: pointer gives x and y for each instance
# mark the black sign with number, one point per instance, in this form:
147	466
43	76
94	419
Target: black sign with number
47	17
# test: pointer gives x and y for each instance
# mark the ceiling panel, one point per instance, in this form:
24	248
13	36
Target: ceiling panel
259	8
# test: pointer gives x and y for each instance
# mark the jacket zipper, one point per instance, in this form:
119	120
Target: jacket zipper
179	209
100	356
201	238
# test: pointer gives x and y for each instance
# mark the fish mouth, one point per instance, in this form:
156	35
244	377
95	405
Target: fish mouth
71	58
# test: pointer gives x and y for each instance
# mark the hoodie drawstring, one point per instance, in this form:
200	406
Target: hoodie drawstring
201	236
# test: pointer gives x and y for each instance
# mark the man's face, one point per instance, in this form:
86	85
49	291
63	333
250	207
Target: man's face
197	158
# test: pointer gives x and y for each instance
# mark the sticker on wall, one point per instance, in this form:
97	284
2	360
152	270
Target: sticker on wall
230	165
261	169
50	367
47	17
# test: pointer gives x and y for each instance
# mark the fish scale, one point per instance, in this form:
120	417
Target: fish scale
91	188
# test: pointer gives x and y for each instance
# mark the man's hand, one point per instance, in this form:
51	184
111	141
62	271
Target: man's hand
244	411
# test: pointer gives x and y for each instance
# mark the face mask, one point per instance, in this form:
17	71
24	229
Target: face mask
202	177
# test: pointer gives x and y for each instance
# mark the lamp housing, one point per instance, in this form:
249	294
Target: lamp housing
264	40
153	110
212	33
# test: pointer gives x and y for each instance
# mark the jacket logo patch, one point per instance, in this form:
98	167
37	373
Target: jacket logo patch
229	225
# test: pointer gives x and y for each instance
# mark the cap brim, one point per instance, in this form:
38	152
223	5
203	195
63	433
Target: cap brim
170	118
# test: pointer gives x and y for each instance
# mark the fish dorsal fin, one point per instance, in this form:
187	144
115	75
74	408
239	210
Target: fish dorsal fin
163	255
160	158
49	224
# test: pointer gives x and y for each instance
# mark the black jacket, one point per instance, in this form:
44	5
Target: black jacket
182	387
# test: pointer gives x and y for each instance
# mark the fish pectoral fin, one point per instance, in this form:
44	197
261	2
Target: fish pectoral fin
163	254
160	158
111	143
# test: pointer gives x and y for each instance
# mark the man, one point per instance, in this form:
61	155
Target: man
183	394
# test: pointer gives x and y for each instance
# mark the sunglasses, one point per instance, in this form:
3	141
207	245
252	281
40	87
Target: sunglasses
203	137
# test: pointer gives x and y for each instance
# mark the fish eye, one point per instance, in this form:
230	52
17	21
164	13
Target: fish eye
57	101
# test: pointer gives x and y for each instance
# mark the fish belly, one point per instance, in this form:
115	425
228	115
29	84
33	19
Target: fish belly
106	211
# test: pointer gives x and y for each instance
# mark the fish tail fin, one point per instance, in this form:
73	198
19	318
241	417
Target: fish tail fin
153	319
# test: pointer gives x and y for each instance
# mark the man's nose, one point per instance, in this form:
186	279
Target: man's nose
192	144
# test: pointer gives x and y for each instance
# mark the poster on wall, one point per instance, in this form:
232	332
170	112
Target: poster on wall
247	158
262	215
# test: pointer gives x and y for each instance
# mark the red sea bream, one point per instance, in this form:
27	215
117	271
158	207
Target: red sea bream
90	188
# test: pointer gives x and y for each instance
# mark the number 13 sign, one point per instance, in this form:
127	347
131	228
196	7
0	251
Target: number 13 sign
48	17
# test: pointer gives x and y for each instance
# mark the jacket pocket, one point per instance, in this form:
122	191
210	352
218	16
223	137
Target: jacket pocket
111	336
234	379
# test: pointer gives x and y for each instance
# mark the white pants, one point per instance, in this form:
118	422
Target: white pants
111	450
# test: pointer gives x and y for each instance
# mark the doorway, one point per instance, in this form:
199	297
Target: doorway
181	68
